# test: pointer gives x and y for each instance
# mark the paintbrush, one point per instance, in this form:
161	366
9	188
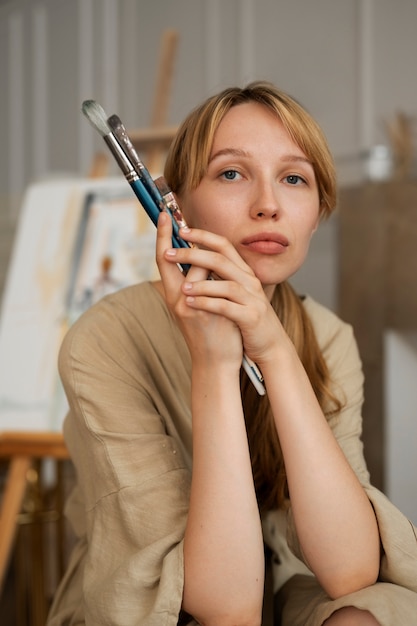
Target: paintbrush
96	115
119	131
145	194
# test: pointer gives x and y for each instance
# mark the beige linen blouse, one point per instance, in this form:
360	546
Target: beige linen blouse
126	371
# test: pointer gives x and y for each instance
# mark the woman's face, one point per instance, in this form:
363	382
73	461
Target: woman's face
259	191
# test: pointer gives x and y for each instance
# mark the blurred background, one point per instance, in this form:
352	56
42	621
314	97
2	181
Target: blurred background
351	64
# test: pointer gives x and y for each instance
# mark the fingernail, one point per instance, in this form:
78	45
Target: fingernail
171	252
188	286
185	229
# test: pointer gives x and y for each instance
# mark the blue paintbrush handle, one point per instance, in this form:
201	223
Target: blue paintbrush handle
153	211
145	199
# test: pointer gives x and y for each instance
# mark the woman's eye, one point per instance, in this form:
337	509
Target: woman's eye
230	175
294	179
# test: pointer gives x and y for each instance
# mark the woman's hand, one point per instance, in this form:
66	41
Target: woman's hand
222	316
210	336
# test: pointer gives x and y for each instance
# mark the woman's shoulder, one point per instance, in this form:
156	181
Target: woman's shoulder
126	317
141	301
144	294
326	323
339	348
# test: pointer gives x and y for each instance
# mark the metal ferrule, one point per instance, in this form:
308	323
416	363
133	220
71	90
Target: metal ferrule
121	158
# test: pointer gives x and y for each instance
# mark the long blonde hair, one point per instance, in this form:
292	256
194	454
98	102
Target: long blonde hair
186	164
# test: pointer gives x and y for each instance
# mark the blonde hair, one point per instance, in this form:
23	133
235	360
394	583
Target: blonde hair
186	164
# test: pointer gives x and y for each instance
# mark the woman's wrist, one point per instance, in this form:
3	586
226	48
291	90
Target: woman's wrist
216	373
280	354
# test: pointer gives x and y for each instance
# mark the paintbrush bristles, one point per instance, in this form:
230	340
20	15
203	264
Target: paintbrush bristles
115	123
97	116
117	127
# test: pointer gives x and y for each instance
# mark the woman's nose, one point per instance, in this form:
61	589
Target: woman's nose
265	203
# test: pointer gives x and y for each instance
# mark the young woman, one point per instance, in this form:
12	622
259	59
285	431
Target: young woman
184	471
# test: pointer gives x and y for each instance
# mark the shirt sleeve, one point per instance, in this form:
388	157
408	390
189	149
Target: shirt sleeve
131	471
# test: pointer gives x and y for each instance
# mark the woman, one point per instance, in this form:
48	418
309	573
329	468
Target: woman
184	471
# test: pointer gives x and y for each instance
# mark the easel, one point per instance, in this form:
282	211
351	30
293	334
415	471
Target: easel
24	450
152	142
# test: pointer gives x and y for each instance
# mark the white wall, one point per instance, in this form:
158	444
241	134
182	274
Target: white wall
401	421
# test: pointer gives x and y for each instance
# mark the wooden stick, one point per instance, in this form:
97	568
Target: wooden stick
11	505
144	138
37	445
164	77
162	93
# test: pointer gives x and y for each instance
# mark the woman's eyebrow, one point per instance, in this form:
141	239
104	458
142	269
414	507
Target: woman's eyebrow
230	152
295	158
238	152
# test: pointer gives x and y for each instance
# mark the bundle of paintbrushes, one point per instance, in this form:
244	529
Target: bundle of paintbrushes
154	195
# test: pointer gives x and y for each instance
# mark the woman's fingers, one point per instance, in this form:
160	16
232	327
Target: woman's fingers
237	297
163	238
169	263
226	298
170	274
211	241
226	267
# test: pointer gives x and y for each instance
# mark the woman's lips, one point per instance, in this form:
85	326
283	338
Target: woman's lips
266	243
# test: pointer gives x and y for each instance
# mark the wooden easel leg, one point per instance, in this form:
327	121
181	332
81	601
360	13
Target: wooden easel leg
162	93
12	502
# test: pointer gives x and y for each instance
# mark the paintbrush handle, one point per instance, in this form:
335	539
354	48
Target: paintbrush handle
145	199
153	211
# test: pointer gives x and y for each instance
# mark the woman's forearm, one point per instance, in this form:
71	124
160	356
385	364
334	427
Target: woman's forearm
335	522
223	546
